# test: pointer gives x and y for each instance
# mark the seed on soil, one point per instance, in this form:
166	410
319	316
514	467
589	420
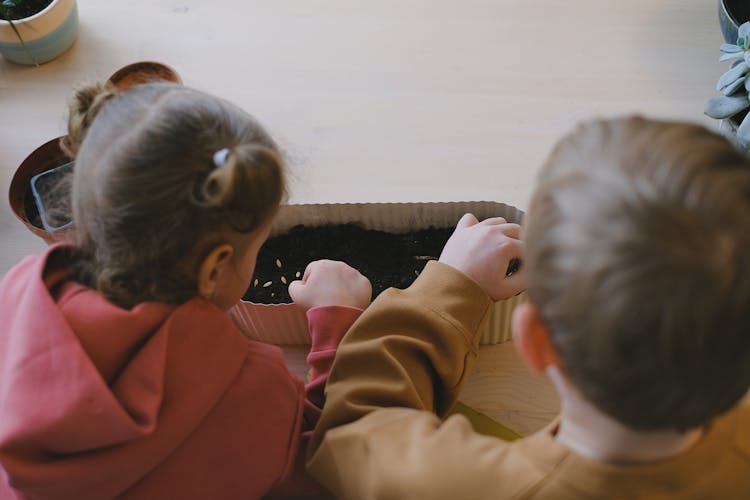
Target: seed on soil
278	263
283	279
267	284
255	283
297	274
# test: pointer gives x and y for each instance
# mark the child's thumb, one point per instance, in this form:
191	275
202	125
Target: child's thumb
296	288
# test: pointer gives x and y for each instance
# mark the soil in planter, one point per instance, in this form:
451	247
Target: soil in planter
386	259
23	9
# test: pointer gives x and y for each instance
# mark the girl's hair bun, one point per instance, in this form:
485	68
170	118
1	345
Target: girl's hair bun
83	108
249	181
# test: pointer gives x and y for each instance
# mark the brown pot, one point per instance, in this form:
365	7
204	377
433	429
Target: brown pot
46	157
143	72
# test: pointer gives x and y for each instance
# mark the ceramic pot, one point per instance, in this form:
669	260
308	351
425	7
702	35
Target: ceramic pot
143	72
46	157
732	13
46	34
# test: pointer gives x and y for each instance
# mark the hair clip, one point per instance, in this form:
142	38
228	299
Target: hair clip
220	157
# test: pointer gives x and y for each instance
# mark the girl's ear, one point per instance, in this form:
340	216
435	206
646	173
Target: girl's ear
211	269
531	337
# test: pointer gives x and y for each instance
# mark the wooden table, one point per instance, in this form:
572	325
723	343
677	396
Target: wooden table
420	100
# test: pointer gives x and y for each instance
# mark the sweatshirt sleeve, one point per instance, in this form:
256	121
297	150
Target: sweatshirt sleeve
327	327
411	349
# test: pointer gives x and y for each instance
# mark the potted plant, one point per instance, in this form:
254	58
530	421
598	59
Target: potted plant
26	193
37	31
734	103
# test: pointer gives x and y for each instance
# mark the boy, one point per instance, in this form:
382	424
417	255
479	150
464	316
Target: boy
637	261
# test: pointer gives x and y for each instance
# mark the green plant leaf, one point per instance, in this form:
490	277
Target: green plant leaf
744	31
725	106
733	74
732	56
729	48
733	87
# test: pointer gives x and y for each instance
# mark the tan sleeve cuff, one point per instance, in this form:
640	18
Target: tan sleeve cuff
454	296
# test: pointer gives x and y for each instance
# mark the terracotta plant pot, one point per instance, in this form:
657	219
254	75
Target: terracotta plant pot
46	157
46	34
143	72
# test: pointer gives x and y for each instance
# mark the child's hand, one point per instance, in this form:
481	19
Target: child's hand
331	283
483	251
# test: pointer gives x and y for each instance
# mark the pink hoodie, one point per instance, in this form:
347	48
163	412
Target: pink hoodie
154	402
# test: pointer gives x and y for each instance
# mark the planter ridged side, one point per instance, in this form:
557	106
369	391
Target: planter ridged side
46	34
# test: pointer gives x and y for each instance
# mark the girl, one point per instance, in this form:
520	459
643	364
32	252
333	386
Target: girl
120	374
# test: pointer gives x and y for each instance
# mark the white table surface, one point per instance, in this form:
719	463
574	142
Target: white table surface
394	100
391	100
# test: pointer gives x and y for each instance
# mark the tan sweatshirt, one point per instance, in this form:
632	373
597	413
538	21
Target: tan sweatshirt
400	368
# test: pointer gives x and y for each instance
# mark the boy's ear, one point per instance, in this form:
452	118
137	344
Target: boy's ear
531	337
211	267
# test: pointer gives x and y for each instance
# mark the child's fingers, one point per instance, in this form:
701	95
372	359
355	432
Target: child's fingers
493	221
467	220
513	249
510	230
296	288
308	270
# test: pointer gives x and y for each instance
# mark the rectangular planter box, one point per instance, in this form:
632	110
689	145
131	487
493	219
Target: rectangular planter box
286	324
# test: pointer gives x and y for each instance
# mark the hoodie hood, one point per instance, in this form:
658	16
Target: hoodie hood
83	380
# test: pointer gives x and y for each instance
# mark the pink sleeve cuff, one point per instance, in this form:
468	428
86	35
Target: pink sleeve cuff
329	324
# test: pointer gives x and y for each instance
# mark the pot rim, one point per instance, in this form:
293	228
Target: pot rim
146	67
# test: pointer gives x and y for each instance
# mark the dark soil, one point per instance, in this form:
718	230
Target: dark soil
739	9
386	259
22	9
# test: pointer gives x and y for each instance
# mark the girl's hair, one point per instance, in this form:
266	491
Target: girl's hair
149	200
637	257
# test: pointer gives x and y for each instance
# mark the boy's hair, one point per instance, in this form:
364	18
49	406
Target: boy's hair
638	258
148	198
